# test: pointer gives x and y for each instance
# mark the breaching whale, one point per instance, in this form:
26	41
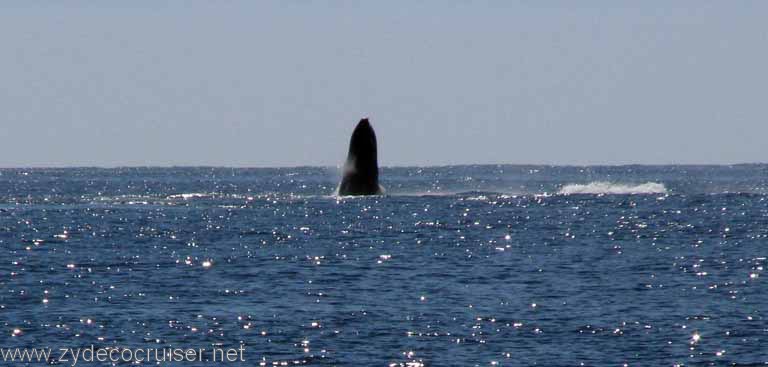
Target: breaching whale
361	170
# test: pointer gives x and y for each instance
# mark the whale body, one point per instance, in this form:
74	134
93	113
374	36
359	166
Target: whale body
361	170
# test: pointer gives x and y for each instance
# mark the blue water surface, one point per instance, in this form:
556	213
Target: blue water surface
454	266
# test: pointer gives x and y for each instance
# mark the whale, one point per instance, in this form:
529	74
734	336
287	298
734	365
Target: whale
361	169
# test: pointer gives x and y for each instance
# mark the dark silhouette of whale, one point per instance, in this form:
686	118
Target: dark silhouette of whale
361	171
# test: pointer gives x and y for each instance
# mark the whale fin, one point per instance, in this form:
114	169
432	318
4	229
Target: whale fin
361	170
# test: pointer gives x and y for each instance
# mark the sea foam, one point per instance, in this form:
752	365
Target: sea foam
610	188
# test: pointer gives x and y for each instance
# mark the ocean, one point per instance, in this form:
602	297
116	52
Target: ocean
488	265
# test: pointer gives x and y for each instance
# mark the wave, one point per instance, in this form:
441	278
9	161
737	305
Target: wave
610	188
190	195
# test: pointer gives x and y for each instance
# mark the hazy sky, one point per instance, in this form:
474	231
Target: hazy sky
283	83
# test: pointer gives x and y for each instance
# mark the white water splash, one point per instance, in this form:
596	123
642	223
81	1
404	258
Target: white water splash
609	188
190	195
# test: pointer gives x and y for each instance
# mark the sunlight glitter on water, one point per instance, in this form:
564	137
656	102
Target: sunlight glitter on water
467	277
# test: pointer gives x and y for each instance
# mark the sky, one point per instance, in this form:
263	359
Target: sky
283	83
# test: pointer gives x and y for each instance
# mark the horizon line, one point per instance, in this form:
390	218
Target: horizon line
34	167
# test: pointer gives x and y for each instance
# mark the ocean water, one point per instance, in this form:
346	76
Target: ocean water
454	266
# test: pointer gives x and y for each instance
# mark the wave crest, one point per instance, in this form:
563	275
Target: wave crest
610	188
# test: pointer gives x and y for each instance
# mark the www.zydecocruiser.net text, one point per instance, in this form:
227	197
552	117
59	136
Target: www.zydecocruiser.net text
74	356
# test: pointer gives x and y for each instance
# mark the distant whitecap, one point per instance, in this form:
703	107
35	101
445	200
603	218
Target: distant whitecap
609	188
